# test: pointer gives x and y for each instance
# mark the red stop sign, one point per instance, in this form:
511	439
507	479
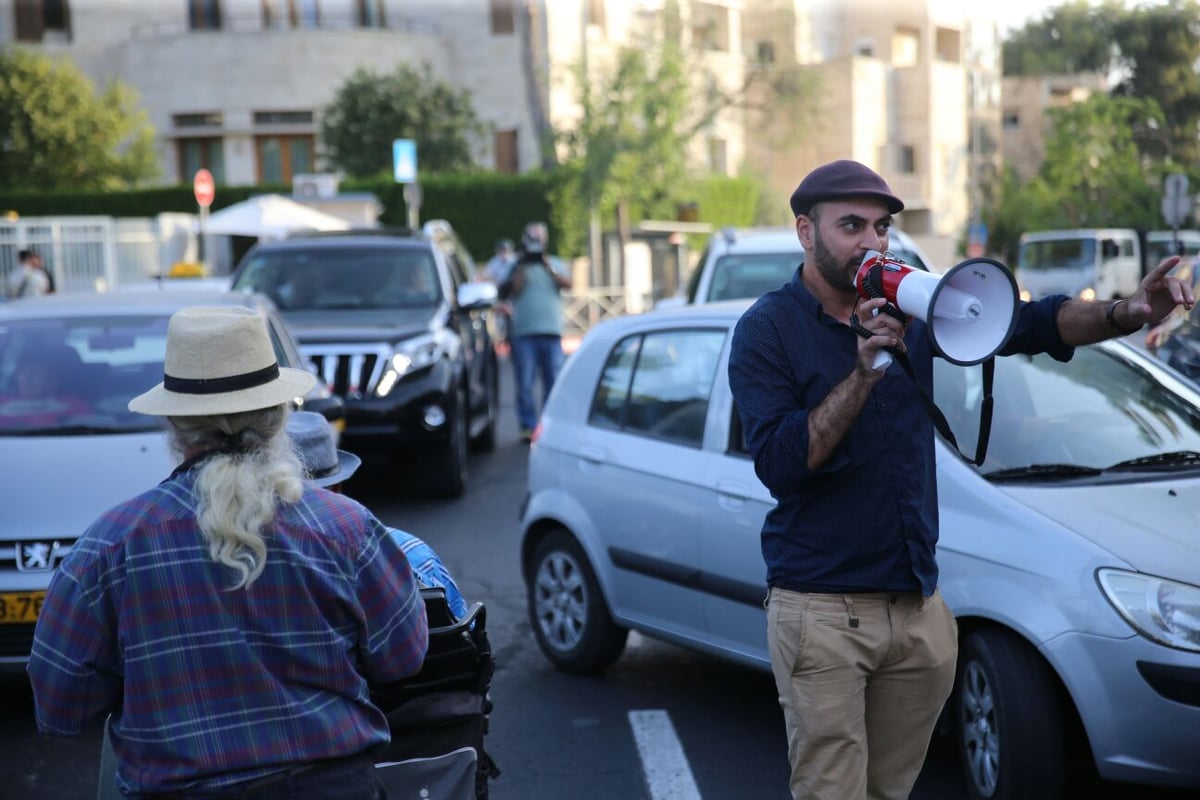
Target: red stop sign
204	188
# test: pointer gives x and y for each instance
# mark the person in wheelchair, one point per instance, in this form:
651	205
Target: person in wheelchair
440	716
328	467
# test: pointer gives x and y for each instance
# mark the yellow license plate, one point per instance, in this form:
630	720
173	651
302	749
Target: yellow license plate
20	606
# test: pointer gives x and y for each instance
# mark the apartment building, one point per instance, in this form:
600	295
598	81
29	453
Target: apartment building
1026	118
910	88
237	86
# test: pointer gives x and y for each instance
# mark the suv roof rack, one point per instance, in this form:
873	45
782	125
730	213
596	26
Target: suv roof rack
387	231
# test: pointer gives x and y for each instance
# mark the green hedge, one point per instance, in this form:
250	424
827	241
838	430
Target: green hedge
482	207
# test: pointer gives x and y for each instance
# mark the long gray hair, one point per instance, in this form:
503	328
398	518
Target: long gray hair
239	486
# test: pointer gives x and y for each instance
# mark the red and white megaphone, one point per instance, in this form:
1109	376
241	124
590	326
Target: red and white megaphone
970	311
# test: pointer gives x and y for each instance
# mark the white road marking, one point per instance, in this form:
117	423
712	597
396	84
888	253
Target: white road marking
668	776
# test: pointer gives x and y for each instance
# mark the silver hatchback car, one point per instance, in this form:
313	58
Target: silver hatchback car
1071	558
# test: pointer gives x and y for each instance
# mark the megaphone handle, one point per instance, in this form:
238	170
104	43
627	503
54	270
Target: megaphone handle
883	357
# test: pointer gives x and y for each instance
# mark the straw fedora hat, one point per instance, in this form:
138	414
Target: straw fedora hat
220	361
312	438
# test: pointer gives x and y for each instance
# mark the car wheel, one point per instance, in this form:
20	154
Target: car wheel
568	613
449	474
1007	721
485	441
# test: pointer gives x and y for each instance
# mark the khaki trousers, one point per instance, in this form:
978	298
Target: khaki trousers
862	679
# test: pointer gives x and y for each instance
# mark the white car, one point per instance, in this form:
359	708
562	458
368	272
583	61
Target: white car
70	458
744	263
1071	558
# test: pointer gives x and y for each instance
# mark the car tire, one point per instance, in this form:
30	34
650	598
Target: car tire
567	610
448	475
1007	720
485	440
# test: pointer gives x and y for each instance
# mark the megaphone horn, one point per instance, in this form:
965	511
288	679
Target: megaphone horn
970	311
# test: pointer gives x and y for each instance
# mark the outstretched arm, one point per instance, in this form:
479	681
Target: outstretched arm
1081	322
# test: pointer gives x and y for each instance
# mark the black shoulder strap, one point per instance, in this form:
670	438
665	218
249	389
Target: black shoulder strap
935	413
939	419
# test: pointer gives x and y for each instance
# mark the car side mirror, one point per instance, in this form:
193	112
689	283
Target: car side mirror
477	294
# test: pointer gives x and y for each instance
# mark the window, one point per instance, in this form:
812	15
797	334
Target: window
281	157
906	47
204	15
283	117
949	45
506	152
370	14
718	156
595	13
503	17
659	384
36	18
710	27
276	14
207	152
1012	120
306	13
908	160
764	52
202	119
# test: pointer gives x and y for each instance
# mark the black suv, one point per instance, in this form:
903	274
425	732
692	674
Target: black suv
397	328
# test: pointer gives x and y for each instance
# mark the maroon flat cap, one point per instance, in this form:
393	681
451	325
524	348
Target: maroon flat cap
839	180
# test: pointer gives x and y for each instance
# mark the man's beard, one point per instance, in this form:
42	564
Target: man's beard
838	276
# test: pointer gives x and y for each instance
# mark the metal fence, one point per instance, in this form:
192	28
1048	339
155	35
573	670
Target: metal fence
88	254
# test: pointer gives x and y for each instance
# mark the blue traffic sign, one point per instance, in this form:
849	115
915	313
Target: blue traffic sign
404	160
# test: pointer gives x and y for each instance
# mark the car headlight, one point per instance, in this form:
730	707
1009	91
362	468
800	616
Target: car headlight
1163	610
409	356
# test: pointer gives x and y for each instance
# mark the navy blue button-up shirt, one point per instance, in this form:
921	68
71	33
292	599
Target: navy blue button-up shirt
867	519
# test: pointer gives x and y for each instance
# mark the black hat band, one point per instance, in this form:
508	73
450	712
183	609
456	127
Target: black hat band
232	383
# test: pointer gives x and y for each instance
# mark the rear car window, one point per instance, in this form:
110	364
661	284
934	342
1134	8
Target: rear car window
658	384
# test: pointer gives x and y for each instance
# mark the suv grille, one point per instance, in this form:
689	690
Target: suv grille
350	371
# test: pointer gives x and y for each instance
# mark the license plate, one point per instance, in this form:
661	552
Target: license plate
20	606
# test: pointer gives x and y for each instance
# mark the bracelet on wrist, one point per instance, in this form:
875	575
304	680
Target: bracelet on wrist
1110	317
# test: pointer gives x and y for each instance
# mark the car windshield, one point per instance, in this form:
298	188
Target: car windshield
77	376
1098	410
333	278
738	277
750	275
1057	254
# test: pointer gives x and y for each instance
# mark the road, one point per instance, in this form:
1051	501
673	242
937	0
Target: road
553	735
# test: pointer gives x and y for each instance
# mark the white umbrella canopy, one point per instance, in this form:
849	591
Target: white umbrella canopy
270	216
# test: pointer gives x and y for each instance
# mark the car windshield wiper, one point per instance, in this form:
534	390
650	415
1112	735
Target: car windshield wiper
1034	472
1179	458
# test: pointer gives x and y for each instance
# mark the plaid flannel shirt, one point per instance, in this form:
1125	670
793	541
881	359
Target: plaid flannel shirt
210	686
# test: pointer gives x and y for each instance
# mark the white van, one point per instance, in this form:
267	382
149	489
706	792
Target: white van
1089	263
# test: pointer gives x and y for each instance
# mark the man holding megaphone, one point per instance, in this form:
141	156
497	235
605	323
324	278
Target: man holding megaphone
862	646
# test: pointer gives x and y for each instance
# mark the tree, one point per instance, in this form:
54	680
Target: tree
1094	175
642	110
370	110
56	132
1070	38
1159	49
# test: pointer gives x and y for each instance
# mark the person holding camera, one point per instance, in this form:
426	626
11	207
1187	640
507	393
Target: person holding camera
862	646
532	291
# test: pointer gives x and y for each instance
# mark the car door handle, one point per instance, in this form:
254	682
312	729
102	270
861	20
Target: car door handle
732	495
592	455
